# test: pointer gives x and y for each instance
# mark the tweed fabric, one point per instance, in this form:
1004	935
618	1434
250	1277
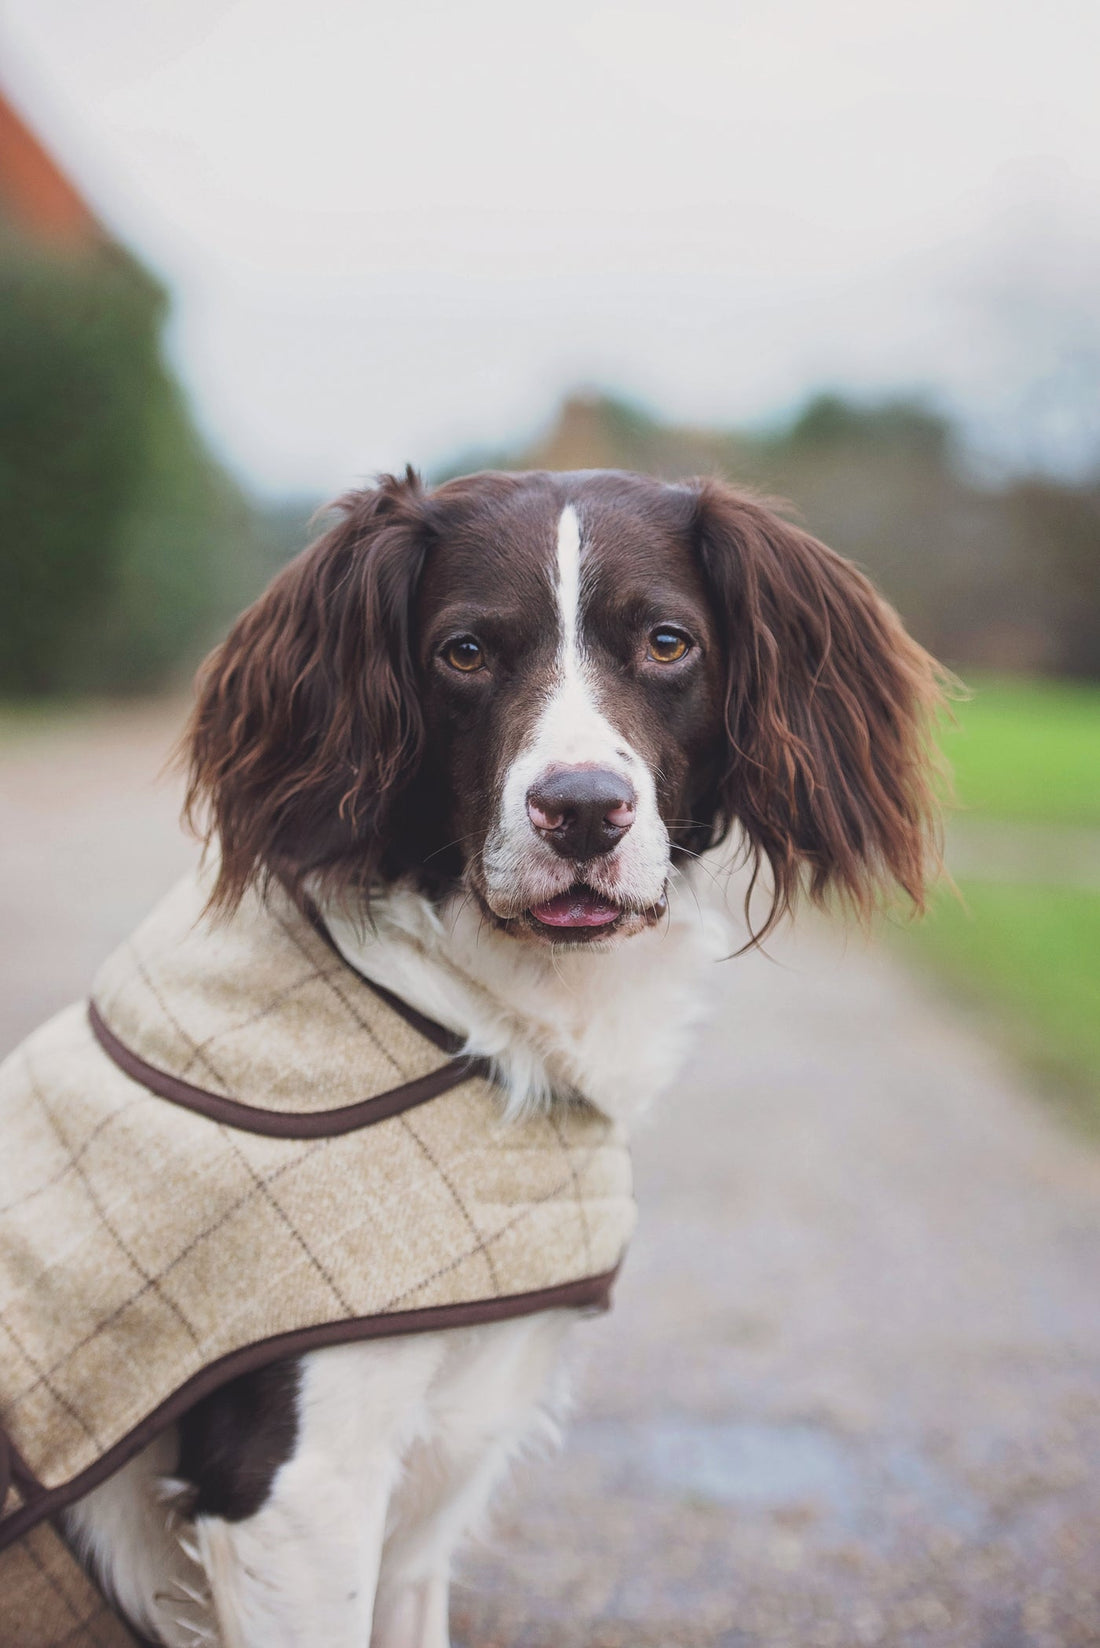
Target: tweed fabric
258	1009
140	1241
48	1601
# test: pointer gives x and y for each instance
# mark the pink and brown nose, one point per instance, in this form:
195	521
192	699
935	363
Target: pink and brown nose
581	811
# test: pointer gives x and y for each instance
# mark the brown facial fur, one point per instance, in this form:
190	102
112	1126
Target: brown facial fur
495	580
332	740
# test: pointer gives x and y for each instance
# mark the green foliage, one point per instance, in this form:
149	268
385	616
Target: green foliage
121	543
73	379
830	421
1028	750
1033	952
1055	536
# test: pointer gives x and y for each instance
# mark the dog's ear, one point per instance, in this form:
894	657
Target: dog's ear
307	727
829	712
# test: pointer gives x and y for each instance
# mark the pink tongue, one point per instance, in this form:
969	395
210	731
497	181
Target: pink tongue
576	908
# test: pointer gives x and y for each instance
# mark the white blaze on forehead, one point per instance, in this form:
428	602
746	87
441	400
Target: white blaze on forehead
569	582
570	729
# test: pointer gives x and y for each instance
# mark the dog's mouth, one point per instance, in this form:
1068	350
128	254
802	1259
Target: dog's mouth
578	906
581	915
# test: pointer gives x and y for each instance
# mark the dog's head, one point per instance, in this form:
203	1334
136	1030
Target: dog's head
551	688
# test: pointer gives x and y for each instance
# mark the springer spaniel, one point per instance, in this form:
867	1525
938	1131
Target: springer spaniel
489	729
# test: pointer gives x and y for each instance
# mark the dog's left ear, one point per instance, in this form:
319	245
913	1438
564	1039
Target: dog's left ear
829	711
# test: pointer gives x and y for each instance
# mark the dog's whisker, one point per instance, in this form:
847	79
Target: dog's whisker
686	883
467	900
458	841
708	870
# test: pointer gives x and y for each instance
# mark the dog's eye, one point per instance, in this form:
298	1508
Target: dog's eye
465	654
668	646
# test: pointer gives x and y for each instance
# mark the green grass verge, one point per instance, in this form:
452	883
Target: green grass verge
21	721
1033	953
1028	750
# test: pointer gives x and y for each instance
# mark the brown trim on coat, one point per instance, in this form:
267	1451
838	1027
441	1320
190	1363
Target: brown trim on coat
586	1293
426	1027
22	1477
284	1124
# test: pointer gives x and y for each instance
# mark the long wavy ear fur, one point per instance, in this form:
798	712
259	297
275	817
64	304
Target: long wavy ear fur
307	728
829	710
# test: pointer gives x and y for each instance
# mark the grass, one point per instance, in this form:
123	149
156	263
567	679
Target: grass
1028	752
23	719
27	718
1032	954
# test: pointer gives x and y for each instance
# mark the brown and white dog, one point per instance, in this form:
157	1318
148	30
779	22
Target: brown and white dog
489	729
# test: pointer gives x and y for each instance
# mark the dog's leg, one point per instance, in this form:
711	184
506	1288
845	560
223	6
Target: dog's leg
447	1489
302	1570
488	1400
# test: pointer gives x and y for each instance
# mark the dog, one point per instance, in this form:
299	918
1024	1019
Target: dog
488	730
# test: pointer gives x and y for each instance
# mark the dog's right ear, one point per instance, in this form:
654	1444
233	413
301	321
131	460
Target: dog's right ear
307	726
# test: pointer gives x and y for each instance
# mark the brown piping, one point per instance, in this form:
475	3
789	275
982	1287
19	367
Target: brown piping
433	1032
280	1124
588	1292
21	1473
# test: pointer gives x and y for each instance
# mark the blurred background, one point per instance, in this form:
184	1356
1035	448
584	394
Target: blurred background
253	252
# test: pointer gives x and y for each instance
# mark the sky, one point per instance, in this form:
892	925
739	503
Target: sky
394	232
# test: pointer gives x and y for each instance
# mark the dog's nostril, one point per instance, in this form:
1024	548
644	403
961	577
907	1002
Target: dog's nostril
622	816
541	819
582	811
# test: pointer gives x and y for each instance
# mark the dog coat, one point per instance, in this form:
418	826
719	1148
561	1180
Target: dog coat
241	1149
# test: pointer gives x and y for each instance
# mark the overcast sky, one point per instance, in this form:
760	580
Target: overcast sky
393	231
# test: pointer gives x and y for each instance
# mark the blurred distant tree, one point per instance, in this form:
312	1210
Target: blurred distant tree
121	543
1057	538
829	422
123	546
74	376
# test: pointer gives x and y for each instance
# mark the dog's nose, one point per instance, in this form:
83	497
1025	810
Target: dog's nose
582	811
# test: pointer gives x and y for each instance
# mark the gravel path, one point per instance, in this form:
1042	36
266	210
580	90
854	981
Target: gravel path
850	1394
1055	855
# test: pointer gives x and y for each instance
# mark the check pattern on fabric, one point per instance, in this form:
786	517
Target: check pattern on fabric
195	998
47	1600
141	1242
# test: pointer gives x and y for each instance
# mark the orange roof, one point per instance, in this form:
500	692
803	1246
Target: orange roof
35	193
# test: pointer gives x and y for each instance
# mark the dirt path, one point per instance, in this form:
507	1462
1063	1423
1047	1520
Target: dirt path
1054	855
850	1394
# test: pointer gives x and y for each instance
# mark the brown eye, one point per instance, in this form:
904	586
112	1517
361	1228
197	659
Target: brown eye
465	654
668	646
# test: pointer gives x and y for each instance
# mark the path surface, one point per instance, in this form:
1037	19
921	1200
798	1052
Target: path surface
1052	855
850	1394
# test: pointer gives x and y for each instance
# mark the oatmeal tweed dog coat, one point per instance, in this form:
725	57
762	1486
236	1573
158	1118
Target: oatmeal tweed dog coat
240	1150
